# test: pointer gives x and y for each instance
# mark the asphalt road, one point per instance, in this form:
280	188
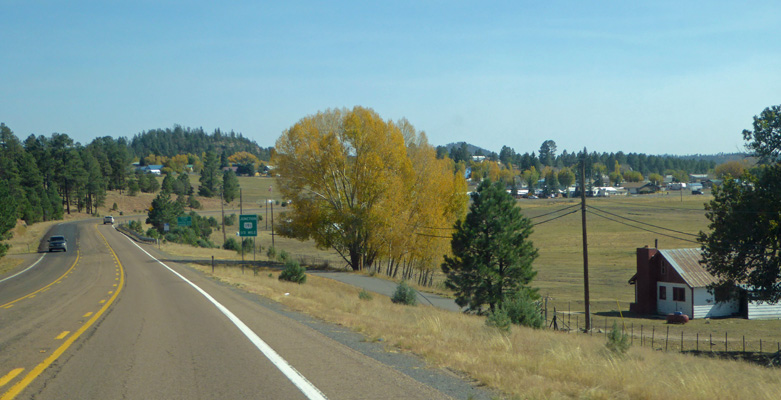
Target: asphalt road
106	320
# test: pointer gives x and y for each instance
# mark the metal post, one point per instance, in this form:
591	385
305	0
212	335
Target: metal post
272	225
212	264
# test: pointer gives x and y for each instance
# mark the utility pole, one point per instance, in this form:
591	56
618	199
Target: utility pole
272	224
585	238
222	207
241	203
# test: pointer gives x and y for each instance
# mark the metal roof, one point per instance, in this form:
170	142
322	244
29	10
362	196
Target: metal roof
687	264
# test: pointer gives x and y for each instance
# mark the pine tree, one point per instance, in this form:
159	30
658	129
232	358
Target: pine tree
209	184
492	256
230	186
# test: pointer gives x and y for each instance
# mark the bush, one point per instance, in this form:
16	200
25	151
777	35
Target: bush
230	220
284	256
523	309
617	341
152	233
499	320
271	253
405	294
364	295
231	244
192	202
247	246
114	207
136	226
293	272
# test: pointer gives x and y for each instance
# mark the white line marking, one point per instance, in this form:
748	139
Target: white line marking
303	384
27	269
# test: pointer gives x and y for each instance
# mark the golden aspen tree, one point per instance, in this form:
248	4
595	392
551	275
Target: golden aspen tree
338	167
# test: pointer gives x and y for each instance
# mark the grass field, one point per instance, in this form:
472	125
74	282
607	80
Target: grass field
540	364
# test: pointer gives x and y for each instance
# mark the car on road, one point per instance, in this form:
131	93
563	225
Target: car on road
697	191
108	219
58	243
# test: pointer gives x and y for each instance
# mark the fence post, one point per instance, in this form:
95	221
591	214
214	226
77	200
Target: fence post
642	339
698	343
710	337
760	346
569	314
667	338
681	340
653	331
212	264
606	328
726	348
633	334
744	343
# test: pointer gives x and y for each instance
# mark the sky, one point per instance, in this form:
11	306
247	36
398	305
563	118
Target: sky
664	77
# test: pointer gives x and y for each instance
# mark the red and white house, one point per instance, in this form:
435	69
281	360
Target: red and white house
674	280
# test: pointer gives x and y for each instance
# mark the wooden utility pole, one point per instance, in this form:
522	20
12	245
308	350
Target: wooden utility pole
222	207
272	224
585	239
241	203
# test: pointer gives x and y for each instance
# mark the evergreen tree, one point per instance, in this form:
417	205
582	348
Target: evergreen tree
168	184
492	256
230	186
184	186
209	184
164	210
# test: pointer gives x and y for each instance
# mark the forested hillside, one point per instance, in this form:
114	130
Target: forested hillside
171	142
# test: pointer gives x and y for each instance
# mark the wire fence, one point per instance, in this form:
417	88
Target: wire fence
672	337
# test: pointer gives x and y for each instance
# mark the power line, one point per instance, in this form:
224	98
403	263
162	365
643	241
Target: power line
642	229
434	236
644	223
557	211
555	218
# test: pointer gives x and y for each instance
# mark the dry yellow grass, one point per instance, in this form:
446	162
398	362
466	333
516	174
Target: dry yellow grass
524	364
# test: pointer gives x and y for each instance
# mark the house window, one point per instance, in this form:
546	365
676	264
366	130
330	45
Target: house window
679	294
662	293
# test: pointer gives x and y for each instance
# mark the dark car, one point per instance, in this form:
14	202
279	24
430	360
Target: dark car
697	191
58	243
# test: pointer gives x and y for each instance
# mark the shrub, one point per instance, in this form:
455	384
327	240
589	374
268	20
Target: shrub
499	320
192	202
293	272
231	244
114	207
152	233
136	226
617	341
364	295
523	309
247	246
230	220
284	256
405	294
271	253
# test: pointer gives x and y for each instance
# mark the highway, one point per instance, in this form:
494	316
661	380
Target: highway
107	320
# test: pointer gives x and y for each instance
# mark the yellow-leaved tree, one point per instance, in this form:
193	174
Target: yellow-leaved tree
366	187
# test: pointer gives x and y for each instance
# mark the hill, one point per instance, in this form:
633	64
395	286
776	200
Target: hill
170	142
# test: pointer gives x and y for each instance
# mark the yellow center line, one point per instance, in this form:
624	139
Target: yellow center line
35	372
9	376
87	314
102	301
62	335
47	286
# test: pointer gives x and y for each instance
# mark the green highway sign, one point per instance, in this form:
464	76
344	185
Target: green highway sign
184	221
248	225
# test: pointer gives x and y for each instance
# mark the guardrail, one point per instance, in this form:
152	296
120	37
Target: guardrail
134	235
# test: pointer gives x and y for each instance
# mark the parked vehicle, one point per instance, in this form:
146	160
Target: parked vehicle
108	219
677	317
697	191
58	243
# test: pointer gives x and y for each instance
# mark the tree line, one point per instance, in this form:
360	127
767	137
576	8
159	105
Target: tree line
42	178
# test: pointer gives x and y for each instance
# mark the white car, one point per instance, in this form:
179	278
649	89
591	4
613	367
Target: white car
108	219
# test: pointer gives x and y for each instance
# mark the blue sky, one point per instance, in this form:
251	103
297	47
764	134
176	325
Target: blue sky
664	77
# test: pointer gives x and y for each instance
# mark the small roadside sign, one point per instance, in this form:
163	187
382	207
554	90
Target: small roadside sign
248	225
166	227
184	221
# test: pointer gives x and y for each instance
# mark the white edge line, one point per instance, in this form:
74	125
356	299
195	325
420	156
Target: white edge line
25	270
303	384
